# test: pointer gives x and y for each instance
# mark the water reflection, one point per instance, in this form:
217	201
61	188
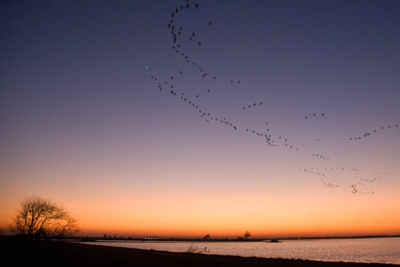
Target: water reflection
367	250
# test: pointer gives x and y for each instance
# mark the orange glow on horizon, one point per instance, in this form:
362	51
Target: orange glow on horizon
142	215
285	227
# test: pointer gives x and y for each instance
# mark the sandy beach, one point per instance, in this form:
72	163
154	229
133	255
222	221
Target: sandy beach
46	253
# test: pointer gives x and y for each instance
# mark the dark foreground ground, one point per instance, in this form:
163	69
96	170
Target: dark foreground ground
46	253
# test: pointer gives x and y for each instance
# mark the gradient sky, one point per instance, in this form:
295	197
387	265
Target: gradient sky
83	123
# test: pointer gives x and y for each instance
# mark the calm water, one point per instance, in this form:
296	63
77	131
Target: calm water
378	250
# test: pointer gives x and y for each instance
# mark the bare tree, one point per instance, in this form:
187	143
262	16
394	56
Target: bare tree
247	234
39	217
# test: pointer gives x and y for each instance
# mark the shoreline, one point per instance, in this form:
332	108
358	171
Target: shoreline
100	239
233	239
59	253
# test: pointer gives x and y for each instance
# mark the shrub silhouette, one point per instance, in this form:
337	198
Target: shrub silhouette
37	217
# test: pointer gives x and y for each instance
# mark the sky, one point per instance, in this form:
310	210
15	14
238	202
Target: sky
282	120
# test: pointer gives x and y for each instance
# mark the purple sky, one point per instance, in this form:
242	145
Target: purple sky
83	122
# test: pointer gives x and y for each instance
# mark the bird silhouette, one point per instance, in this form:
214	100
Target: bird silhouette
268	138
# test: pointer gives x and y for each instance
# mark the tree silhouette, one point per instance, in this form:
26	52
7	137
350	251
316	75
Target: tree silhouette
39	217
207	236
246	235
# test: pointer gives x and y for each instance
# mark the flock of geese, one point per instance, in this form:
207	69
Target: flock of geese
374	131
181	36
353	188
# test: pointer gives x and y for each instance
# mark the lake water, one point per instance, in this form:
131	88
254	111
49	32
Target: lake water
366	250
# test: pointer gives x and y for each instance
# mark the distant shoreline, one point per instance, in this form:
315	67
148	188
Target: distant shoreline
94	238
58	253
